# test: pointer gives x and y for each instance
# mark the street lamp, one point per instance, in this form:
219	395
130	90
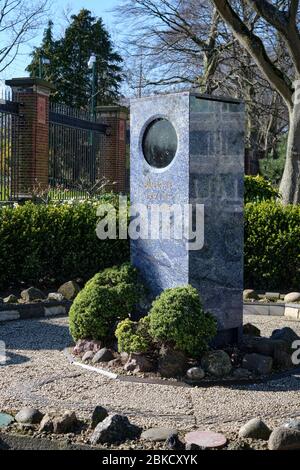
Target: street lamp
92	66
42	61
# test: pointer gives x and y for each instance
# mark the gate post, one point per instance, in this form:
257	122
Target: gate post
113	160
33	158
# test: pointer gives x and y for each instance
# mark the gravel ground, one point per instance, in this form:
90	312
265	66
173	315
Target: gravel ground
37	373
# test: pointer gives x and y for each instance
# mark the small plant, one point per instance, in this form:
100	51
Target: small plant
133	336
177	318
105	300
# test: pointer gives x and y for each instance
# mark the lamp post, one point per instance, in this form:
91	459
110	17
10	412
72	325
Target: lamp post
42	61
92	66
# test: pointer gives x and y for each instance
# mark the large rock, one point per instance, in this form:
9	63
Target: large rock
32	294
138	363
292	424
195	373
250	294
99	415
171	363
66	423
11	299
258	363
29	416
103	355
56	296
217	363
283	360
88	356
84	345
251	330
241	373
284	439
69	290
292	297
285	334
265	346
174	443
158	434
115	428
46	424
255	429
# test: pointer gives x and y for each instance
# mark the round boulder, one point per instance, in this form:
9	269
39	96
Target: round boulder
171	363
255	429
250	294
195	373
251	330
217	363
29	416
69	290
284	439
158	434
292	297
286	334
32	294
292	424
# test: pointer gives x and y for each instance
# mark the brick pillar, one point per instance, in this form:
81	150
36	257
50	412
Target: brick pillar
33	152
113	158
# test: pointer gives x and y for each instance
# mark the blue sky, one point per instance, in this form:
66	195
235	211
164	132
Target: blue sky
98	7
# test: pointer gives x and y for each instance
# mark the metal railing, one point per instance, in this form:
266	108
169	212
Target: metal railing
9	147
76	143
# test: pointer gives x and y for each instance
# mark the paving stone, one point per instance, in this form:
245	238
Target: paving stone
206	439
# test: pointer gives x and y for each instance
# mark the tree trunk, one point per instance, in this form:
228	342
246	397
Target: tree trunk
290	183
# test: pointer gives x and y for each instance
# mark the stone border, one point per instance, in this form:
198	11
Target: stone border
288	310
46	309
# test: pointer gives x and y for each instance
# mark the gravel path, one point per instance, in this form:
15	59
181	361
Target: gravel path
37	373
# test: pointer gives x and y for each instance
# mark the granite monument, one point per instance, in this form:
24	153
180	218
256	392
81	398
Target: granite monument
187	150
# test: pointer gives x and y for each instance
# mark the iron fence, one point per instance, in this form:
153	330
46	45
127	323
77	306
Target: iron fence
76	144
9	147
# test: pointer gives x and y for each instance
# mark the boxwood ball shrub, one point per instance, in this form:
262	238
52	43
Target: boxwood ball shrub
272	246
99	306
54	242
257	188
177	318
133	337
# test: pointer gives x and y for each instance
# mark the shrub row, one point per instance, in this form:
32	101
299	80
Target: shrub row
54	242
60	243
272	246
257	189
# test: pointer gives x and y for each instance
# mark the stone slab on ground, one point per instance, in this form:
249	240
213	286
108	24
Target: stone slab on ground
206	439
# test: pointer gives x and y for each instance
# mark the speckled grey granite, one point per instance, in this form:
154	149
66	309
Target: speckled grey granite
208	169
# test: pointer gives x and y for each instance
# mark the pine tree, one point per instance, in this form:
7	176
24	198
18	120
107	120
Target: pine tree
47	50
69	56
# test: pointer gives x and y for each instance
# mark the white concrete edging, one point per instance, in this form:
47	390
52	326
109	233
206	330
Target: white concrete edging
291	311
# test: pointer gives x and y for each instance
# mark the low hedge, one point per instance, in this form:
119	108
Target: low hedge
272	246
54	242
257	189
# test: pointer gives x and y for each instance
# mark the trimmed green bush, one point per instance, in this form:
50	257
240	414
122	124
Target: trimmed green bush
177	318
133	336
54	242
99	306
272	246
258	189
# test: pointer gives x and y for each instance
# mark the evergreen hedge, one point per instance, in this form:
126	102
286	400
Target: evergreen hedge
272	246
54	242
